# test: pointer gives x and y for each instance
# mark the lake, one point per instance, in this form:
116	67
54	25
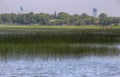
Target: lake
69	67
59	53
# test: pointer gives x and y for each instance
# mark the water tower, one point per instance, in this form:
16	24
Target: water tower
94	12
21	9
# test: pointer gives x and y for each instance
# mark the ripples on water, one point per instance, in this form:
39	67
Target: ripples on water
70	67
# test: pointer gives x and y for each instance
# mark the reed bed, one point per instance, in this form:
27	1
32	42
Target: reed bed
46	50
59	35
50	42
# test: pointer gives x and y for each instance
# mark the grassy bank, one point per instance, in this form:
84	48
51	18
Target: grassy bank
57	27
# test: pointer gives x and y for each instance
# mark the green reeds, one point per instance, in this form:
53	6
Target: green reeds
55	35
53	50
56	42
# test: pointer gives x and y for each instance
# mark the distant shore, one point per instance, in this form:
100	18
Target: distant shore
6	26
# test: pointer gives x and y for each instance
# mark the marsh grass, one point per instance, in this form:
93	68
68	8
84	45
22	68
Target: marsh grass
55	50
59	35
51	42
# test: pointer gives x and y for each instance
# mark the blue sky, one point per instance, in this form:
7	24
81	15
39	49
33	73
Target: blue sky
110	7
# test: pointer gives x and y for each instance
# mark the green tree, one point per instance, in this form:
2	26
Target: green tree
84	17
0	19
6	18
75	19
65	17
31	18
44	19
13	18
115	20
104	19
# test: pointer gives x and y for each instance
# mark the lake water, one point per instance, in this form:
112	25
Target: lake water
104	65
68	67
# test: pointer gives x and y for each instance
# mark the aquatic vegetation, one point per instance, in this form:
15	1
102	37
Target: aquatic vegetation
58	35
18	43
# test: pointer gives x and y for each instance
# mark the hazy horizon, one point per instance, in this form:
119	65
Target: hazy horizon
110	7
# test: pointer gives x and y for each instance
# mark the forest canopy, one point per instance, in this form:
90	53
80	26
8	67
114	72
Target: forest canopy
61	18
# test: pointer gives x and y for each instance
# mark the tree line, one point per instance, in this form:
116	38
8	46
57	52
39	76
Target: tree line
60	18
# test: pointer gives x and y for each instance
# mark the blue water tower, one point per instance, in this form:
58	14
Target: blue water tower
94	12
21	8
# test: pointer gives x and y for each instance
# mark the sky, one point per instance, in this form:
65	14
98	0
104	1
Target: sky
110	7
